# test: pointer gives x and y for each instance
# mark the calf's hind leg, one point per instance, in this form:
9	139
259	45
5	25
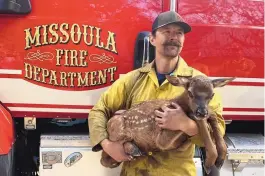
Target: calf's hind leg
220	143
167	140
211	153
116	132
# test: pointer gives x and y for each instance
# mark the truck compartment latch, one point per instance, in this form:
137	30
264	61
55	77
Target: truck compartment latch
30	123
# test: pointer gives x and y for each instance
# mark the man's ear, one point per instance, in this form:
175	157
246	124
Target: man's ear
222	81
152	39
179	80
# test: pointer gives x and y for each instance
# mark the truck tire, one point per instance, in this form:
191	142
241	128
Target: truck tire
7	164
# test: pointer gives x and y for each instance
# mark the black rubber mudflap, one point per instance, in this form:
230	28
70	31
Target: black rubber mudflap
7	164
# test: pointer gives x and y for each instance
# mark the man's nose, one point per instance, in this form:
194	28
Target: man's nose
201	112
173	36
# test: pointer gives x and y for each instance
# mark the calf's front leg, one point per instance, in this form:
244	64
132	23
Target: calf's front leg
211	153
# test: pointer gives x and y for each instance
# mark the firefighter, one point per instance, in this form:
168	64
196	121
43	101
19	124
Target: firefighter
168	34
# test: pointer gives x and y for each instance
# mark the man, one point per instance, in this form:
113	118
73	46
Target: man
168	34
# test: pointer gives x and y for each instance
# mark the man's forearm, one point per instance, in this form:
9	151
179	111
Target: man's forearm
190	127
97	128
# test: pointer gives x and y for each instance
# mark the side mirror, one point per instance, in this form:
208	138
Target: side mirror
144	52
15	7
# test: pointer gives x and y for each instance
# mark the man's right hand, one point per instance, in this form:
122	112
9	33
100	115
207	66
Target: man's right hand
115	150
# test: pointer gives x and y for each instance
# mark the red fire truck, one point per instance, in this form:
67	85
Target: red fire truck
57	57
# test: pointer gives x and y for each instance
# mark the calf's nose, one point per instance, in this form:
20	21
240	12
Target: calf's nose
201	112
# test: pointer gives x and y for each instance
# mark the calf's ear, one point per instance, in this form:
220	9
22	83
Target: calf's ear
222	81
179	80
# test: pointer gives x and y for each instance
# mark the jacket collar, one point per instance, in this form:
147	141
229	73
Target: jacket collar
181	70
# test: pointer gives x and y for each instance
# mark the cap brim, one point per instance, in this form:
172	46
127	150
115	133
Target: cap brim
186	27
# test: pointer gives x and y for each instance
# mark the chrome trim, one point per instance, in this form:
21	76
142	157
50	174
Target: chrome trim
172	5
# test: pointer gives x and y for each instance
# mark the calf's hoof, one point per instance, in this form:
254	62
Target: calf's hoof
131	149
207	169
219	163
209	162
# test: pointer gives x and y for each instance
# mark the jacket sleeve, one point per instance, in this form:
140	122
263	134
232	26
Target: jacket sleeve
109	102
217	107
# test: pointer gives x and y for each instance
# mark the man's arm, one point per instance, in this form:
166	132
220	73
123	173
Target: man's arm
217	107
109	102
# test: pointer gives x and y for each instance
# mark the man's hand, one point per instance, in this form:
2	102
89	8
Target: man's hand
175	119
115	150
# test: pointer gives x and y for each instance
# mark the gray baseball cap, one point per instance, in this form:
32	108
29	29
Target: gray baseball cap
170	17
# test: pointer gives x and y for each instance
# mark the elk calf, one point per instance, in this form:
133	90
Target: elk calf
137	130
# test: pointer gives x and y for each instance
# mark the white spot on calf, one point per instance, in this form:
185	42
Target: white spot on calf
140	128
141	112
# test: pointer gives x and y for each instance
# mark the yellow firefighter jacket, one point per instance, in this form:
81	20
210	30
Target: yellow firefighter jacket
121	95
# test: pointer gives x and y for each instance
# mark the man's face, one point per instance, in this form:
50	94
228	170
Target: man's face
168	40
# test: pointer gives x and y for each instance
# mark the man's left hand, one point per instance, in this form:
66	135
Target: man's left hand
175	119
172	119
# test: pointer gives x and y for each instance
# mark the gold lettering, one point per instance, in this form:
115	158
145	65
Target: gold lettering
111	41
83	54
63	79
45	35
66	63
111	70
53	78
74	61
69	79
82	81
28	71
36	71
102	78
45	74
91	35
59	52
61	33
64	33
92	77
98	43
78	34
72	75
54	33
36	39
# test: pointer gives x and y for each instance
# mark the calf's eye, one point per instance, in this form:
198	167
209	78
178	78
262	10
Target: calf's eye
190	94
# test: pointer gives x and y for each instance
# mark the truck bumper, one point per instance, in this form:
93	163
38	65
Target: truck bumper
245	155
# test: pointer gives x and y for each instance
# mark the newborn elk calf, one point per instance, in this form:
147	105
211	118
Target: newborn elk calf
136	128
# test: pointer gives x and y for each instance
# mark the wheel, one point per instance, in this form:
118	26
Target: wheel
7	164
